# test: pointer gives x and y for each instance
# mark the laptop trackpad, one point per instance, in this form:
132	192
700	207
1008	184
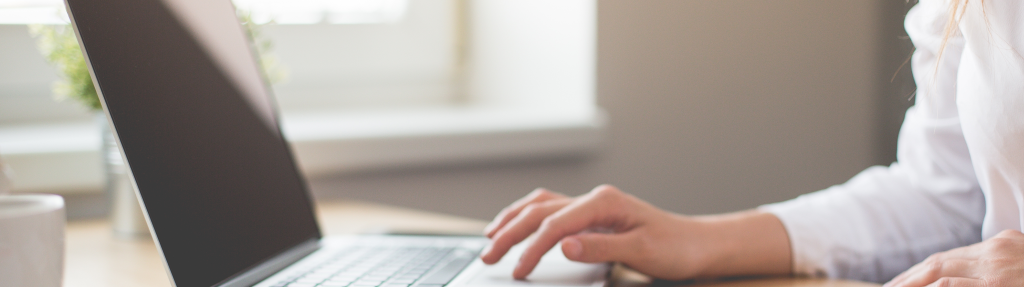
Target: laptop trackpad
553	270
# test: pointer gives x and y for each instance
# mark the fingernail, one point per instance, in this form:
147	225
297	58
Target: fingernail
517	272
572	247
487	250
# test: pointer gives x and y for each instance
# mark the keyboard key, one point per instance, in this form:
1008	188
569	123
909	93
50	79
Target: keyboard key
344	278
384	267
349	272
308	280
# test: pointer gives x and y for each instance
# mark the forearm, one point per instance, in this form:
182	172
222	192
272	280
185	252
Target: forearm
745	243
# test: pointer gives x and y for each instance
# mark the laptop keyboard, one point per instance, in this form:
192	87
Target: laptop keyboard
377	266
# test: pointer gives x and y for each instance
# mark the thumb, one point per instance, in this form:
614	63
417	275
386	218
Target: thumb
599	247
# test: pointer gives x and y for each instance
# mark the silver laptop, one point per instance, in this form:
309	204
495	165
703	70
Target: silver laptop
222	195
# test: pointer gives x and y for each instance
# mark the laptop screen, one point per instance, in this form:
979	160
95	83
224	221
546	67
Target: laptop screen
199	132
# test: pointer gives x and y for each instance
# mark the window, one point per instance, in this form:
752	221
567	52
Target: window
324	11
372	84
336	53
404	62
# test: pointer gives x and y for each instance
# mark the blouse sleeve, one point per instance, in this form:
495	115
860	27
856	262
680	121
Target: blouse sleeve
886	219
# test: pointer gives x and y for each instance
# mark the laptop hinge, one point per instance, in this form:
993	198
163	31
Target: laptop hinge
273	265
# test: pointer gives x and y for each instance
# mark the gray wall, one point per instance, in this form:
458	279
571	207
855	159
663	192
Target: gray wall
714	106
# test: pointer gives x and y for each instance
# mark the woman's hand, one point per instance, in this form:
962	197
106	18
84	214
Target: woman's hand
652	241
996	262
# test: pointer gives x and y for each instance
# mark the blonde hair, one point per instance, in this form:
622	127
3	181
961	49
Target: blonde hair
956	13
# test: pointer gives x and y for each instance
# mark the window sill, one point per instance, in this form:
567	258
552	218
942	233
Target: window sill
64	157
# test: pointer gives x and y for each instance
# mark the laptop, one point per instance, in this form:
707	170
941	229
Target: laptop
223	198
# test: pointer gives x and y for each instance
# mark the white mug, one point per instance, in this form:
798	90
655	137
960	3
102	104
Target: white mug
31	240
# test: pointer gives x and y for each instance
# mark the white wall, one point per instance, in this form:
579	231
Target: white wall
713	106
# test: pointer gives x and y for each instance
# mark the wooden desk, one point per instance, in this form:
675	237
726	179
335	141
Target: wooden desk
96	259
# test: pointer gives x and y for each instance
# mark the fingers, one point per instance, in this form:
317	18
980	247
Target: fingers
997	261
519	228
600	247
510	212
601	207
932	270
958	262
958	282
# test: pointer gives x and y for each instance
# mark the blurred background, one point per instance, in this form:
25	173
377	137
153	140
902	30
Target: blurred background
462	106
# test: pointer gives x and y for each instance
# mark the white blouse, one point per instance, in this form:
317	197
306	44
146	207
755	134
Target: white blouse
959	174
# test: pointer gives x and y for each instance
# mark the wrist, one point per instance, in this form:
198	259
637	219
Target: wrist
743	244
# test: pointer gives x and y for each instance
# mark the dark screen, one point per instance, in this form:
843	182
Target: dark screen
216	177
